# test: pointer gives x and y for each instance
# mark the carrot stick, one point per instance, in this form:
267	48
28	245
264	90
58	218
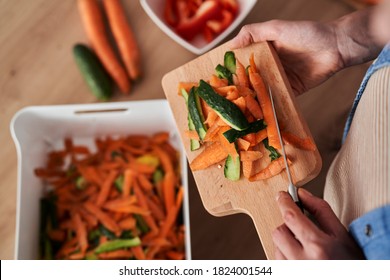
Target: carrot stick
124	37
138	253
250	155
106	187
265	103
104	218
142	202
169	182
300	143
130	209
144	182
92	18
128	182
174	255
212	154
120	202
115	255
253	107
241	74
172	214
164	159
242	144
275	167
127	223
217	82
81	232
186	86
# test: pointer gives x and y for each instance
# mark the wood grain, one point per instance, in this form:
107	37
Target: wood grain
257	199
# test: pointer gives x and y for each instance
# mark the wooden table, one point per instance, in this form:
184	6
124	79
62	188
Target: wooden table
37	68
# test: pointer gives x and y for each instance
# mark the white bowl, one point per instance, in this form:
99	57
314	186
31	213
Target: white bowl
38	129
155	10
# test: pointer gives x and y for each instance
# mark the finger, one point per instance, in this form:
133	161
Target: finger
322	212
279	255
285	241
253	33
300	225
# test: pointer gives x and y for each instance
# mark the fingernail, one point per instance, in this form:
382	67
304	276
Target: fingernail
306	192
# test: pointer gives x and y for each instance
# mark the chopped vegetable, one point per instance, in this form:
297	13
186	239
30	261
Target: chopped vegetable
100	206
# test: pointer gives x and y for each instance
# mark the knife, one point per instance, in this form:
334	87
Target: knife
292	189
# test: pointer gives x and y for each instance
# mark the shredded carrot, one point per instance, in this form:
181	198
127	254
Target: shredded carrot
300	143
105	189
275	167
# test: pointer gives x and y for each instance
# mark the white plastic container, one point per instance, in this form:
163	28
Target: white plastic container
155	10
39	129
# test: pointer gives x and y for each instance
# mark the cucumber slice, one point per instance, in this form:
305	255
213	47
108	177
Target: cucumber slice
232	135
224	73
93	72
229	62
194	144
232	169
228	111
196	114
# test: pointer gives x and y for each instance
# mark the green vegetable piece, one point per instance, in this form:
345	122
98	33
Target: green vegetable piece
232	134
274	154
94	234
106	232
81	183
118	244
93	72
227	110
158	175
224	73
232	169
196	114
127	234
194	144
230	61
141	224
48	250
91	257
118	183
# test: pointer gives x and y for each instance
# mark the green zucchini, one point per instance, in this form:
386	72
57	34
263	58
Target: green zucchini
232	134
93	72
224	73
227	110
194	144
229	61
232	168
196	114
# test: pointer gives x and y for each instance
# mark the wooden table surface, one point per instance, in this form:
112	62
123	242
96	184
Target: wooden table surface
37	68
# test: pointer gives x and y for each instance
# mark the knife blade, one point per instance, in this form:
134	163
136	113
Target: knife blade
292	189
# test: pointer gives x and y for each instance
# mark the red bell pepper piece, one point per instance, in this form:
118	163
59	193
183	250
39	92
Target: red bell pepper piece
218	26
170	12
189	28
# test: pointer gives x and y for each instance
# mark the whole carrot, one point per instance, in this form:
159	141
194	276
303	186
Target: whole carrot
92	18
124	37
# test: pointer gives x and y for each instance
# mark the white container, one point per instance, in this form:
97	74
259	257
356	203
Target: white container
155	10
39	129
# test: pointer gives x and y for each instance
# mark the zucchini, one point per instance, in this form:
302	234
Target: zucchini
224	73
232	168
227	110
194	144
93	72
229	62
232	134
196	114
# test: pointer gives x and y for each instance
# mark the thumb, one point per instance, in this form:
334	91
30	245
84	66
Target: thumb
321	211
257	32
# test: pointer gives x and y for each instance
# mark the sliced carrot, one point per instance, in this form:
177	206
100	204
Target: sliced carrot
142	202
252	64
211	155
250	155
92	18
169	182
241	103
212	133
187	86
124	37
156	209
251	138
56	235
242	78
260	136
242	144
232	95
138	253
164	159
247	169
223	91
266	106
275	167
254	107
217	82
300	143
81	232
174	255
161	137
104	218
128	182
127	223
115	255
130	209
244	91
172	214
145	183
212	117
120	202
105	189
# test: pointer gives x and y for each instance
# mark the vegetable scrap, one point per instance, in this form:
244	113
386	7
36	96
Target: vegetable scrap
230	117
123	201
209	18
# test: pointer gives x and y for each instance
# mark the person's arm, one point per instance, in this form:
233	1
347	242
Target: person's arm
311	52
300	238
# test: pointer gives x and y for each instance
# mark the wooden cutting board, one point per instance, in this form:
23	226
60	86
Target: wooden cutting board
257	199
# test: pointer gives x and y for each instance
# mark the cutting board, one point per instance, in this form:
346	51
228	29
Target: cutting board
257	199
